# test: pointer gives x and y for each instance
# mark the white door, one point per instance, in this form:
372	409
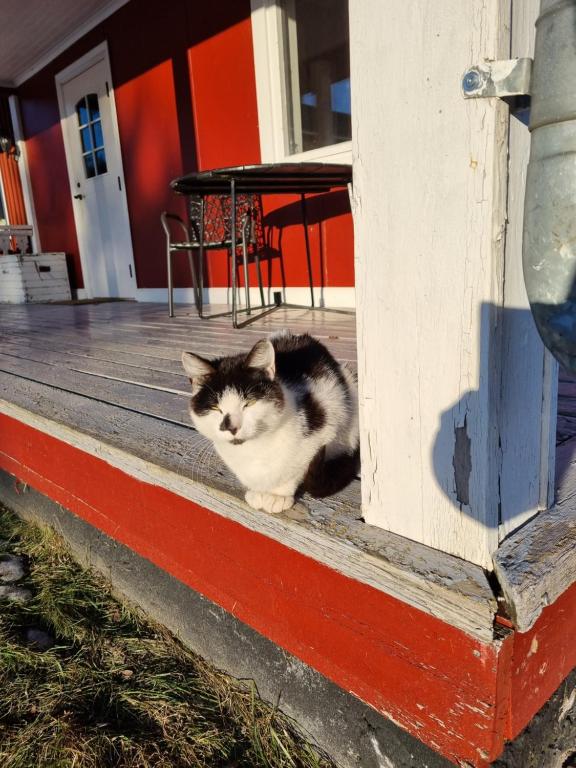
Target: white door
96	178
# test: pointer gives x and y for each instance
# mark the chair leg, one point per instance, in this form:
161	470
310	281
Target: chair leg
170	286
259	271
245	265
194	280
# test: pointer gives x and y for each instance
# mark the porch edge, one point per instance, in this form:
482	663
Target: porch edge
441	585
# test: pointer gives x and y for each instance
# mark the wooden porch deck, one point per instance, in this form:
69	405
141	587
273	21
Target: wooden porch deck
123	360
107	380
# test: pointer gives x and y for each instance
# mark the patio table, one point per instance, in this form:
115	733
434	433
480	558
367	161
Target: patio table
265	179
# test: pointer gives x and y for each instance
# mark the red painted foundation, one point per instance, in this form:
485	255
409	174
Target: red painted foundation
462	697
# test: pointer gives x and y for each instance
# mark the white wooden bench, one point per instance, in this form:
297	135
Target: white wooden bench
26	276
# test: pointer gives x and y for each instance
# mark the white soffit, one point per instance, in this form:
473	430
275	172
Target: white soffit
34	32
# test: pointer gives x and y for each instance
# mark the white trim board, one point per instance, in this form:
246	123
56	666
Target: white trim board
107	10
3	196
336	298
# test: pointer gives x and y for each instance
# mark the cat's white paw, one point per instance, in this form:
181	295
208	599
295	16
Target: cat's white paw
269	502
254	499
276	504
279	504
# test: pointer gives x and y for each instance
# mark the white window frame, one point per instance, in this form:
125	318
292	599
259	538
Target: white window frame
3	207
269	62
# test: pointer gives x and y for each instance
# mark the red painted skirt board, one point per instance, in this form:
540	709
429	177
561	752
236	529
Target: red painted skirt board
434	680
542	658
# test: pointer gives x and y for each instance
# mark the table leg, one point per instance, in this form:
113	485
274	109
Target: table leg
233	247
201	257
245	266
307	242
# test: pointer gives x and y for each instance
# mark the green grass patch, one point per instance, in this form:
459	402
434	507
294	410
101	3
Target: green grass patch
117	689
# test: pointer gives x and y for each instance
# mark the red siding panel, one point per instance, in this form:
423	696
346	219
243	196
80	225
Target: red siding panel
224	97
542	658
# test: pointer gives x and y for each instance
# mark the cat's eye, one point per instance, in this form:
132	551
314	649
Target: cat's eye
216	408
248	403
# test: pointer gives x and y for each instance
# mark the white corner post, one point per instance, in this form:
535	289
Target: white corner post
456	394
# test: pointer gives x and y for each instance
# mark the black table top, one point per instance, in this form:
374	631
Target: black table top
270	178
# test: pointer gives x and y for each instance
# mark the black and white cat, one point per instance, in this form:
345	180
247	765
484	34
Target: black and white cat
283	417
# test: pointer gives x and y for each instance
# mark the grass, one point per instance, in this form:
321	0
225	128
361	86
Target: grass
116	689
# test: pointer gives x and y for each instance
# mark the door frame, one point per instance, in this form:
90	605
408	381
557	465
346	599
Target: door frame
98	54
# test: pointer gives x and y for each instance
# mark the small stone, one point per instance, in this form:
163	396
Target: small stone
39	640
16	594
11	568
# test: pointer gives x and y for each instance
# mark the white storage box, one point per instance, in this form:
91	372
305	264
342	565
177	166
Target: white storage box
33	277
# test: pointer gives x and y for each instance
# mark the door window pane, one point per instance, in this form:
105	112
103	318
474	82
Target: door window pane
82	112
100	162
86	139
317	73
89	166
98	138
93	107
91	136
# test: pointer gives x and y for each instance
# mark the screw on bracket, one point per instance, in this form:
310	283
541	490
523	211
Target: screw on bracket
471	81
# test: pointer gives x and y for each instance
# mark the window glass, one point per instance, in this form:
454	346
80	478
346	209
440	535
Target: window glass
317	73
100	162
86	139
91	137
82	112
89	166
98	138
93	107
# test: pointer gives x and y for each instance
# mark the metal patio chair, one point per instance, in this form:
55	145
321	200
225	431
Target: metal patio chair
173	227
210	231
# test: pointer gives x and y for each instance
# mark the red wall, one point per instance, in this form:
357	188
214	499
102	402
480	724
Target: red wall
186	99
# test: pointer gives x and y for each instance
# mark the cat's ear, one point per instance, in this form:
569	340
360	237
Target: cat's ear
196	367
262	356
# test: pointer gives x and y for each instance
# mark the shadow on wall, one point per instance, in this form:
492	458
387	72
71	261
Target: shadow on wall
319	209
501	457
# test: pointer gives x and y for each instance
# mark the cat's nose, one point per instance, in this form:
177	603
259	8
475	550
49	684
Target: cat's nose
226	425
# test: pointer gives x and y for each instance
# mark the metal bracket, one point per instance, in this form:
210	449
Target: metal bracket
505	78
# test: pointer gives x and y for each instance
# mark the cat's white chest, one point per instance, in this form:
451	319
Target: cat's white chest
270	460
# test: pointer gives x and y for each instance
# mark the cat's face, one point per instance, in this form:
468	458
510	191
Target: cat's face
235	399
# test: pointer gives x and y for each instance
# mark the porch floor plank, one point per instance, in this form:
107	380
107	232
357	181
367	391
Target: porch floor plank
107	379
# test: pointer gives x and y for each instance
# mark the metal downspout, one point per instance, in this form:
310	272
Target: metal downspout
549	247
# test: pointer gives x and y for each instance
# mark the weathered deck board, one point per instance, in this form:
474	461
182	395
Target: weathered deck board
162	405
53	364
175	382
